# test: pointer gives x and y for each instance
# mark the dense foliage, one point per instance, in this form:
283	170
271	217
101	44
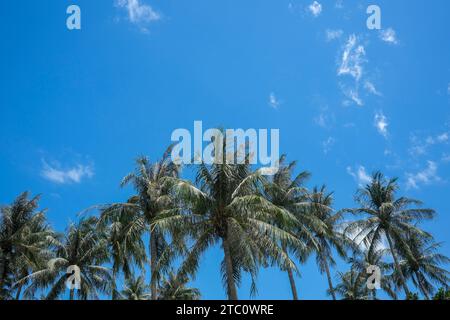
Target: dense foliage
256	220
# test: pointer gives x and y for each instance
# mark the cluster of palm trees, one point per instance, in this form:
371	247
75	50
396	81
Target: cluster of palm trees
257	221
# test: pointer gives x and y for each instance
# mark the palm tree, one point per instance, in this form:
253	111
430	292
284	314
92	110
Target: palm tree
227	208
351	286
25	239
290	195
84	248
126	248
386	217
135	289
422	264
442	294
174	288
152	197
362	260
328	237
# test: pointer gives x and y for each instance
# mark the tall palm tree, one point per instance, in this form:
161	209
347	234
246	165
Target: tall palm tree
328	237
25	240
228	209
174	287
422	264
126	248
152	197
135	289
387	217
84	248
289	194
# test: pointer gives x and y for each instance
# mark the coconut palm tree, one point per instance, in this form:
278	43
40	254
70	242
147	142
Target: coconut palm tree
174	288
386	217
289	194
152	197
422	264
83	248
25	240
351	286
362	260
227	208
135	289
327	237
442	294
126	248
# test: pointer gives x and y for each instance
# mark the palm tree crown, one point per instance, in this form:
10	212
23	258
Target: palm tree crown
386	217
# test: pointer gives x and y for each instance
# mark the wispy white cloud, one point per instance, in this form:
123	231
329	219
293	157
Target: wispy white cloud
273	101
381	123
446	157
353	95
353	58
315	8
369	86
389	35
354	83
75	174
326	118
139	13
420	145
333	34
360	175
328	144
351	66
442	137
426	176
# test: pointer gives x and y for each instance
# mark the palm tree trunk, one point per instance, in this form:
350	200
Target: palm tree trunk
153	288
397	265
72	291
291	278
421	286
114	288
292	282
3	273
231	286
330	283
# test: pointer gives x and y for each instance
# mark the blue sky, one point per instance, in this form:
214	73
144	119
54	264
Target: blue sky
76	107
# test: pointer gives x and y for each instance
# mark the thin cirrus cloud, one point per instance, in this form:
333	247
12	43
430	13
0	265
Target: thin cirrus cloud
328	144
360	175
273	101
351	69
389	35
421	145
333	34
315	9
72	175
426	176
369	86
381	123
351	65
353	58
138	12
